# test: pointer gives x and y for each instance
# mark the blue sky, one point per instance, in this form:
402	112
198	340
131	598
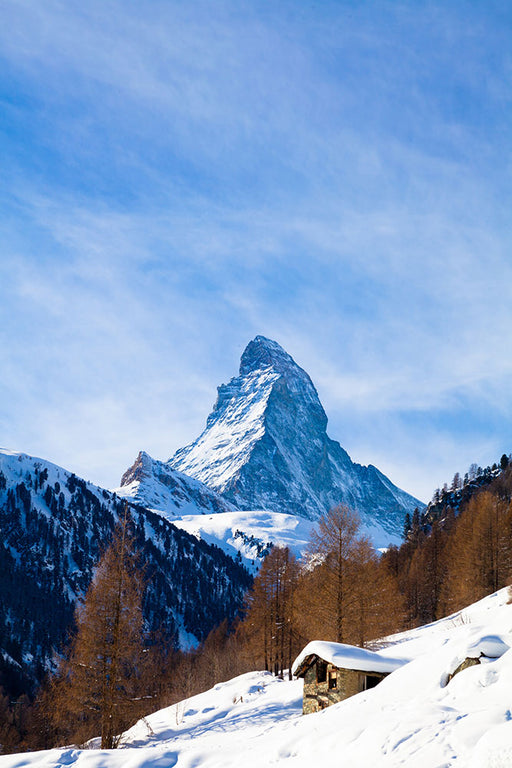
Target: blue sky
179	177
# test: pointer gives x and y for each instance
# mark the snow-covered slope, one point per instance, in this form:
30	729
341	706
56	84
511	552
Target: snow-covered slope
155	485
249	535
265	446
413	718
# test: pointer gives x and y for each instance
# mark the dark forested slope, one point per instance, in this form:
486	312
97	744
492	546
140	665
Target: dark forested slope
54	527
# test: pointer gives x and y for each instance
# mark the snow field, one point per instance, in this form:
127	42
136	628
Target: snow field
260	525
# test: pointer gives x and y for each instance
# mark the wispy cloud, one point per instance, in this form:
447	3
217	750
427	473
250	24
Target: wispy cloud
179	177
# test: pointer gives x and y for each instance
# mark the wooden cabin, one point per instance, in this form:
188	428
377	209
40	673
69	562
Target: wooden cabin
334	671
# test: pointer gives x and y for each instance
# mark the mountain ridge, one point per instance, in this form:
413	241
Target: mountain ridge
155	485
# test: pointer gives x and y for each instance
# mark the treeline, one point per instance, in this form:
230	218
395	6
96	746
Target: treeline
456	556
455	495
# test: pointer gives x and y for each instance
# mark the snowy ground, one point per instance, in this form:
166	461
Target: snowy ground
414	718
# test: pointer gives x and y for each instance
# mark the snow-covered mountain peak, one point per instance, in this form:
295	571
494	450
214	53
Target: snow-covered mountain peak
263	362
271	396
261	352
265	446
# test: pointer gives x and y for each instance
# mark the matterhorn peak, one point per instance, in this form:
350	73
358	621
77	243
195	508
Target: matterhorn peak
263	355
261	352
265	446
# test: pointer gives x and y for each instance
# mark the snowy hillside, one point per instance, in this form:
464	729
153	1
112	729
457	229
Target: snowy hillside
414	718
249	533
265	446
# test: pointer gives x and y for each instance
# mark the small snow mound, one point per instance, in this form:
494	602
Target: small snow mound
481	651
492	646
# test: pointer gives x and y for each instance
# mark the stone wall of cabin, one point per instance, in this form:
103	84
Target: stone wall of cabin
319	696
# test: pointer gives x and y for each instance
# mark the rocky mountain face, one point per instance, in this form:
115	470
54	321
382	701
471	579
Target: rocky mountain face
54	527
266	446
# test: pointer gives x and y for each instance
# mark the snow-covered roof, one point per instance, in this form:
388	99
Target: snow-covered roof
346	657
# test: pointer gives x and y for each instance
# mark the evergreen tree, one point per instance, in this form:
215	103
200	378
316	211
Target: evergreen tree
415	526
456	482
407	525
